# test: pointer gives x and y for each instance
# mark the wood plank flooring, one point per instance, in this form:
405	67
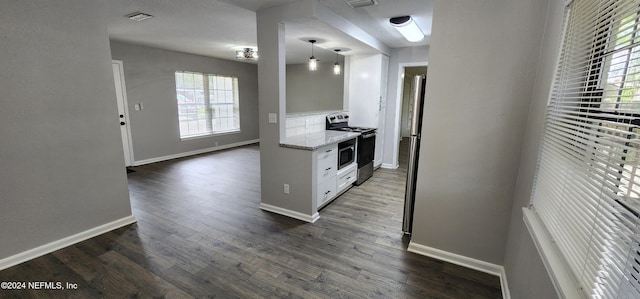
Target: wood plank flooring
200	234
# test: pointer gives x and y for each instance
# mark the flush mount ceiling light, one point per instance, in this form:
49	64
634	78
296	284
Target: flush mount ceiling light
336	66
313	62
247	54
408	28
138	16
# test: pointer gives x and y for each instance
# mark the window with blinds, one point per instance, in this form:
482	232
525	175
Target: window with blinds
207	104
587	190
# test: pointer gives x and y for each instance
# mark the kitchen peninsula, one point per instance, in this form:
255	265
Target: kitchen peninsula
320	179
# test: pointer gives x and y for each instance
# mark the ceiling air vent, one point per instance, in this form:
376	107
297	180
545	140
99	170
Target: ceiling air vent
138	16
360	3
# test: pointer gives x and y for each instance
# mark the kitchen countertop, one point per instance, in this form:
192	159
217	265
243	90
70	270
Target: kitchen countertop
312	141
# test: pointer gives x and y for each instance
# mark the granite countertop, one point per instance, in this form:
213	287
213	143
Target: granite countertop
312	141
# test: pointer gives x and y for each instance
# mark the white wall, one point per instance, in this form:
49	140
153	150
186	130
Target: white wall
482	63
62	161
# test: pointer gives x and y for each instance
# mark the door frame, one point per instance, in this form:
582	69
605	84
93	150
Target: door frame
398	112
121	90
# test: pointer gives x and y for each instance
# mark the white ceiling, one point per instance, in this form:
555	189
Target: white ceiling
217	28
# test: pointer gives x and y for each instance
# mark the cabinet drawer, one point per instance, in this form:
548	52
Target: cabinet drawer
345	180
326	191
327	167
328	152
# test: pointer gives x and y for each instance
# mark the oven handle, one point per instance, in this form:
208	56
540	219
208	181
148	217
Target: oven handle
369	135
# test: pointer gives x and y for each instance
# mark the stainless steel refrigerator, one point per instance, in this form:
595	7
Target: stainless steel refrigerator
414	149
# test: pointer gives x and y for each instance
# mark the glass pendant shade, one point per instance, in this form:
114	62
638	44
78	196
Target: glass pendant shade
313	64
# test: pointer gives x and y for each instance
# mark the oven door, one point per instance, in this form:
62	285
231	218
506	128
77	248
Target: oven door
346	154
366	148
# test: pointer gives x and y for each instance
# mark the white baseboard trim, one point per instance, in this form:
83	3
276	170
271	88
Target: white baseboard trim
290	213
389	166
464	261
64	242
196	152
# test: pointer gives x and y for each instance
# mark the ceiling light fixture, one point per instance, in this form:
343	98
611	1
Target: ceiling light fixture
408	28
139	16
247	54
336	66
313	62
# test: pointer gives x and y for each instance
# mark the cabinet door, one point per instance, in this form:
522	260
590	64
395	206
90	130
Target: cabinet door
381	134
364	91
326	191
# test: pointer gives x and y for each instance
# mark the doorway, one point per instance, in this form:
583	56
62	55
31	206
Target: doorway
123	111
407	93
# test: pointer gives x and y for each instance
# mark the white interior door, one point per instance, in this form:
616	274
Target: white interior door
123	111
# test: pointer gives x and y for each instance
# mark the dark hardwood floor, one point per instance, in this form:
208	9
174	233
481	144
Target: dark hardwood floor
200	234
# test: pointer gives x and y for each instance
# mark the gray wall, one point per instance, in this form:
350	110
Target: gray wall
62	161
320	90
150	78
280	165
527	276
477	98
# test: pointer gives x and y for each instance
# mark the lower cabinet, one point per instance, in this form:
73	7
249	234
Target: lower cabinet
346	177
331	182
326	170
326	191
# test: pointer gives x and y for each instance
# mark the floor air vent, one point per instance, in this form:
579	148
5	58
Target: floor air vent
360	3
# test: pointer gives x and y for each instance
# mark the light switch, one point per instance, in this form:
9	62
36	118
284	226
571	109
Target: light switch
136	107
273	118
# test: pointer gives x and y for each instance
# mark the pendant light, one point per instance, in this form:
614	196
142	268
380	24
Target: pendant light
336	66
313	62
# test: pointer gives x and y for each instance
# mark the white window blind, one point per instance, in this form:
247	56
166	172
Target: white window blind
207	104
587	190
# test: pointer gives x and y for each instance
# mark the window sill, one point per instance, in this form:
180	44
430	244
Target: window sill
563	280
210	135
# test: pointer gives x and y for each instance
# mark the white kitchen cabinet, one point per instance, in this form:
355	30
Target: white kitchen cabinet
366	95
326	191
327	164
326	169
346	177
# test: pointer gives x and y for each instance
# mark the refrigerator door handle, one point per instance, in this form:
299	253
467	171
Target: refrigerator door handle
418	95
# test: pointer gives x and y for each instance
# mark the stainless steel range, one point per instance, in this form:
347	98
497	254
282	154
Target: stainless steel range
365	145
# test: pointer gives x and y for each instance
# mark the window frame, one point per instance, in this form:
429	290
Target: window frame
207	116
591	110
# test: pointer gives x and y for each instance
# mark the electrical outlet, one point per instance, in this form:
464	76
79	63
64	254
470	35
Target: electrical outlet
286	188
273	118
